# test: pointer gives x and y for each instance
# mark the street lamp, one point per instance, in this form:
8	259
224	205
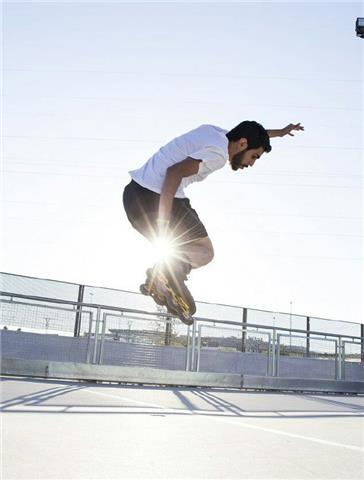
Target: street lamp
359	27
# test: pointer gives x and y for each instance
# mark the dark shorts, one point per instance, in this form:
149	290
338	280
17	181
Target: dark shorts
141	207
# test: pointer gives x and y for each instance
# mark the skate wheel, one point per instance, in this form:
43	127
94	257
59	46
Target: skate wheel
171	310
159	300
143	289
192	308
186	319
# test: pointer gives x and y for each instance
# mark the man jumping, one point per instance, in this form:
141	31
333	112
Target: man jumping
156	205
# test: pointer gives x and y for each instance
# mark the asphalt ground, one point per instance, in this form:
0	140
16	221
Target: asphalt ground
78	430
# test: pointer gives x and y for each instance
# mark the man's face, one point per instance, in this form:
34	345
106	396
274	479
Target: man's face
246	158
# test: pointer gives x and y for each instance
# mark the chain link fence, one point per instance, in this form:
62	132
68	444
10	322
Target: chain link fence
90	324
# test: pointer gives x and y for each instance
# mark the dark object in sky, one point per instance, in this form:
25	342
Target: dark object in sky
359	27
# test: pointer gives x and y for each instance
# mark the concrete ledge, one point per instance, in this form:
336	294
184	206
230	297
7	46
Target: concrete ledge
27	368
143	375
301	384
154	376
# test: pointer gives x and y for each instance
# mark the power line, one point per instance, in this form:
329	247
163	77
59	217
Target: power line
259	232
314	234
199	102
295	215
237	212
108	164
137	140
109	139
185	74
303	185
13	172
260	254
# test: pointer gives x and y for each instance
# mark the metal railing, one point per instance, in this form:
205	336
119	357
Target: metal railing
107	296
336	356
185	351
237	332
344	354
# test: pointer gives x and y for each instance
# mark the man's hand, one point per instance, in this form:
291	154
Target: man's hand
288	129
285	131
164	248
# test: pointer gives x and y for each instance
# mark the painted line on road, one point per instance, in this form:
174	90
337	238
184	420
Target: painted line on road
202	413
297	413
255	427
162	411
126	399
237	423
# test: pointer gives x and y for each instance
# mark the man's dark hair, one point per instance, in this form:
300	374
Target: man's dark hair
256	135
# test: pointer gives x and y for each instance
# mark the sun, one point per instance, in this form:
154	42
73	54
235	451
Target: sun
162	249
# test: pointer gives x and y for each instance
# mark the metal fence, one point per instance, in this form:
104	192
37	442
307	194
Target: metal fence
46	319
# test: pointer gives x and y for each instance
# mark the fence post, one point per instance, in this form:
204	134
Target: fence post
193	352
97	326
199	347
88	355
188	348
337	359
341	359
77	329
101	353
168	331
308	328
274	353
244	333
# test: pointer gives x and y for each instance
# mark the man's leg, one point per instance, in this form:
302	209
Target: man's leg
198	252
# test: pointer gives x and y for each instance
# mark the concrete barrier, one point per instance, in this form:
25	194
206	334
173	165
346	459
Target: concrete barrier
301	384
110	373
153	376
57	348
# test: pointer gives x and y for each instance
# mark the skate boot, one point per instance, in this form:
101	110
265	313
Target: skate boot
176	273
165	284
148	288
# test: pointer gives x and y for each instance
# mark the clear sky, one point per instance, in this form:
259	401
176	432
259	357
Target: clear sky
92	90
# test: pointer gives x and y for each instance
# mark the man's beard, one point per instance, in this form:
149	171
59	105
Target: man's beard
236	160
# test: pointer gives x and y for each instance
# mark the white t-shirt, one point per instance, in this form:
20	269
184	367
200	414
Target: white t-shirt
206	143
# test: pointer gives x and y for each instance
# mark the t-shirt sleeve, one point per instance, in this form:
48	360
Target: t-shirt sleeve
212	156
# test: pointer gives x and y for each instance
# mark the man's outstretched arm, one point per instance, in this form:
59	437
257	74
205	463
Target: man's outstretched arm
286	130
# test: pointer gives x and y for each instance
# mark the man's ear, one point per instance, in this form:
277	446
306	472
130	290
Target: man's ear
243	144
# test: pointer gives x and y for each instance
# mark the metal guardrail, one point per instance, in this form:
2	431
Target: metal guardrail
338	360
98	325
235	330
62	309
168	315
343	354
110	296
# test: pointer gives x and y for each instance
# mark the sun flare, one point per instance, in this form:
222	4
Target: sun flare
163	249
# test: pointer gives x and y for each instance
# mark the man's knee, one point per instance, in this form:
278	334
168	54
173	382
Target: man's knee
209	252
202	252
